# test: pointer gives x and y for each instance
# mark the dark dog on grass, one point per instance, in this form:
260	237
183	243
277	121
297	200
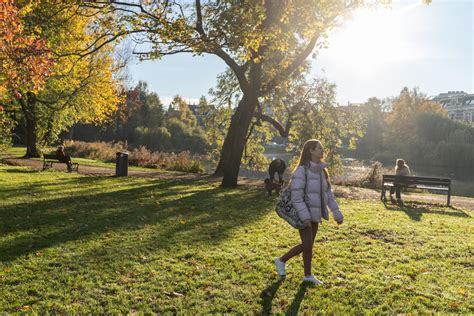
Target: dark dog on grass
270	186
277	166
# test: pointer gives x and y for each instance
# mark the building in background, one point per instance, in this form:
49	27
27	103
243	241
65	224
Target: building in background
459	104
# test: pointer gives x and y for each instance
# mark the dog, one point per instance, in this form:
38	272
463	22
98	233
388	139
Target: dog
270	186
277	166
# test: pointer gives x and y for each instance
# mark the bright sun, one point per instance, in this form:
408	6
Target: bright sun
372	38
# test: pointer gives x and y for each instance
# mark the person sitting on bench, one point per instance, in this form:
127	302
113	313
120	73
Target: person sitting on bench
62	157
401	169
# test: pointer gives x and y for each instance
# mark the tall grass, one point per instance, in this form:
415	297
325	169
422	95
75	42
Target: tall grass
359	175
142	157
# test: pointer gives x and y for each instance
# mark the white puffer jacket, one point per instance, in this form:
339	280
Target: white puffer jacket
308	202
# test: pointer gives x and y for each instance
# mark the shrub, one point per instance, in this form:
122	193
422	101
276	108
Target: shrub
99	150
153	138
140	156
373	178
6	126
353	175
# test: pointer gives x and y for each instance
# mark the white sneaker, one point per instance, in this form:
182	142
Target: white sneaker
280	265
312	279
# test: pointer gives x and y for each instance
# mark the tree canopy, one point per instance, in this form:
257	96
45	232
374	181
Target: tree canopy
264	43
52	82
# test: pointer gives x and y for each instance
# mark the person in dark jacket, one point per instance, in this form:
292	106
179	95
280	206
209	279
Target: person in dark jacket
277	166
62	157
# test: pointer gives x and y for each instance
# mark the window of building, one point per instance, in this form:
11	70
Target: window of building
468	115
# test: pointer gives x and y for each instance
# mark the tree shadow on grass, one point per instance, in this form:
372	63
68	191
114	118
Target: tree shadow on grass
209	213
268	295
415	210
21	170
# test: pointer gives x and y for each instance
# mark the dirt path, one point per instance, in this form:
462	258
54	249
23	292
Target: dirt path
340	191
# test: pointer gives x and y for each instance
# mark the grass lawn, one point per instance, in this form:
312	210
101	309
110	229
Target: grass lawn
20	152
81	244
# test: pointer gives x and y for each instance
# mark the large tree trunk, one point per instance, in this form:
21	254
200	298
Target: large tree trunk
31	139
234	143
28	109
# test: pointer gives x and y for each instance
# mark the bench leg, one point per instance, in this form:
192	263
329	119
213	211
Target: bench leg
449	196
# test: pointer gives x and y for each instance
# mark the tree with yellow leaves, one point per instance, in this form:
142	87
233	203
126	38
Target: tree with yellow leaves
73	87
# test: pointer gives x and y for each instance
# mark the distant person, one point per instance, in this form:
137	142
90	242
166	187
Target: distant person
62	157
311	195
401	169
277	166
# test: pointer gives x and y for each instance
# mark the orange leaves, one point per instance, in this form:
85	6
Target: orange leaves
25	308
25	60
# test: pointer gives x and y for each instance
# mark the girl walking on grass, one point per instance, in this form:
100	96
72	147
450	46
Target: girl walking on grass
311	195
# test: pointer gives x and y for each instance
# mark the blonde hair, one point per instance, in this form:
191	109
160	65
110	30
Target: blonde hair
305	156
400	163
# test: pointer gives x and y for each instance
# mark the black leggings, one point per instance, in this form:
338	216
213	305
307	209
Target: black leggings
307	234
67	160
396	188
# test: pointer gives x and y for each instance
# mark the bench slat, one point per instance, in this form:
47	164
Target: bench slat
52	157
413	178
432	188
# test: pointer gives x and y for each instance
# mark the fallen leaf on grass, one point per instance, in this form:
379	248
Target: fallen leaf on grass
25	308
175	294
283	303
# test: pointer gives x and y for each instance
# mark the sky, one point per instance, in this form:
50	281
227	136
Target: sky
375	53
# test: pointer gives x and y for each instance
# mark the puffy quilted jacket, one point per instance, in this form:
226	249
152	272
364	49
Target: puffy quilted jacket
306	187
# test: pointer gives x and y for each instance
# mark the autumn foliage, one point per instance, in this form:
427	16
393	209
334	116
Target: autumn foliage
25	60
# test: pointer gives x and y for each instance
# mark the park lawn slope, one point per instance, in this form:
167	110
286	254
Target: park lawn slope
82	244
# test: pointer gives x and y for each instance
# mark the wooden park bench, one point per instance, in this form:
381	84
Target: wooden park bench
425	183
48	161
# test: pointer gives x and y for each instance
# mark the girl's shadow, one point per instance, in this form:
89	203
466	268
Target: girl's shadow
299	296
268	295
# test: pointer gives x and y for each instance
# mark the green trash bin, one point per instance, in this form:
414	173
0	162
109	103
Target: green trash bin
121	164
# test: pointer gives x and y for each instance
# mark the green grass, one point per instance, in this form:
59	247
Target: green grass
83	244
20	152
16	151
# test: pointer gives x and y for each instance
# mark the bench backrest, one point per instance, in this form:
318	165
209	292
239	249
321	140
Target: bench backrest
46	156
416	180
